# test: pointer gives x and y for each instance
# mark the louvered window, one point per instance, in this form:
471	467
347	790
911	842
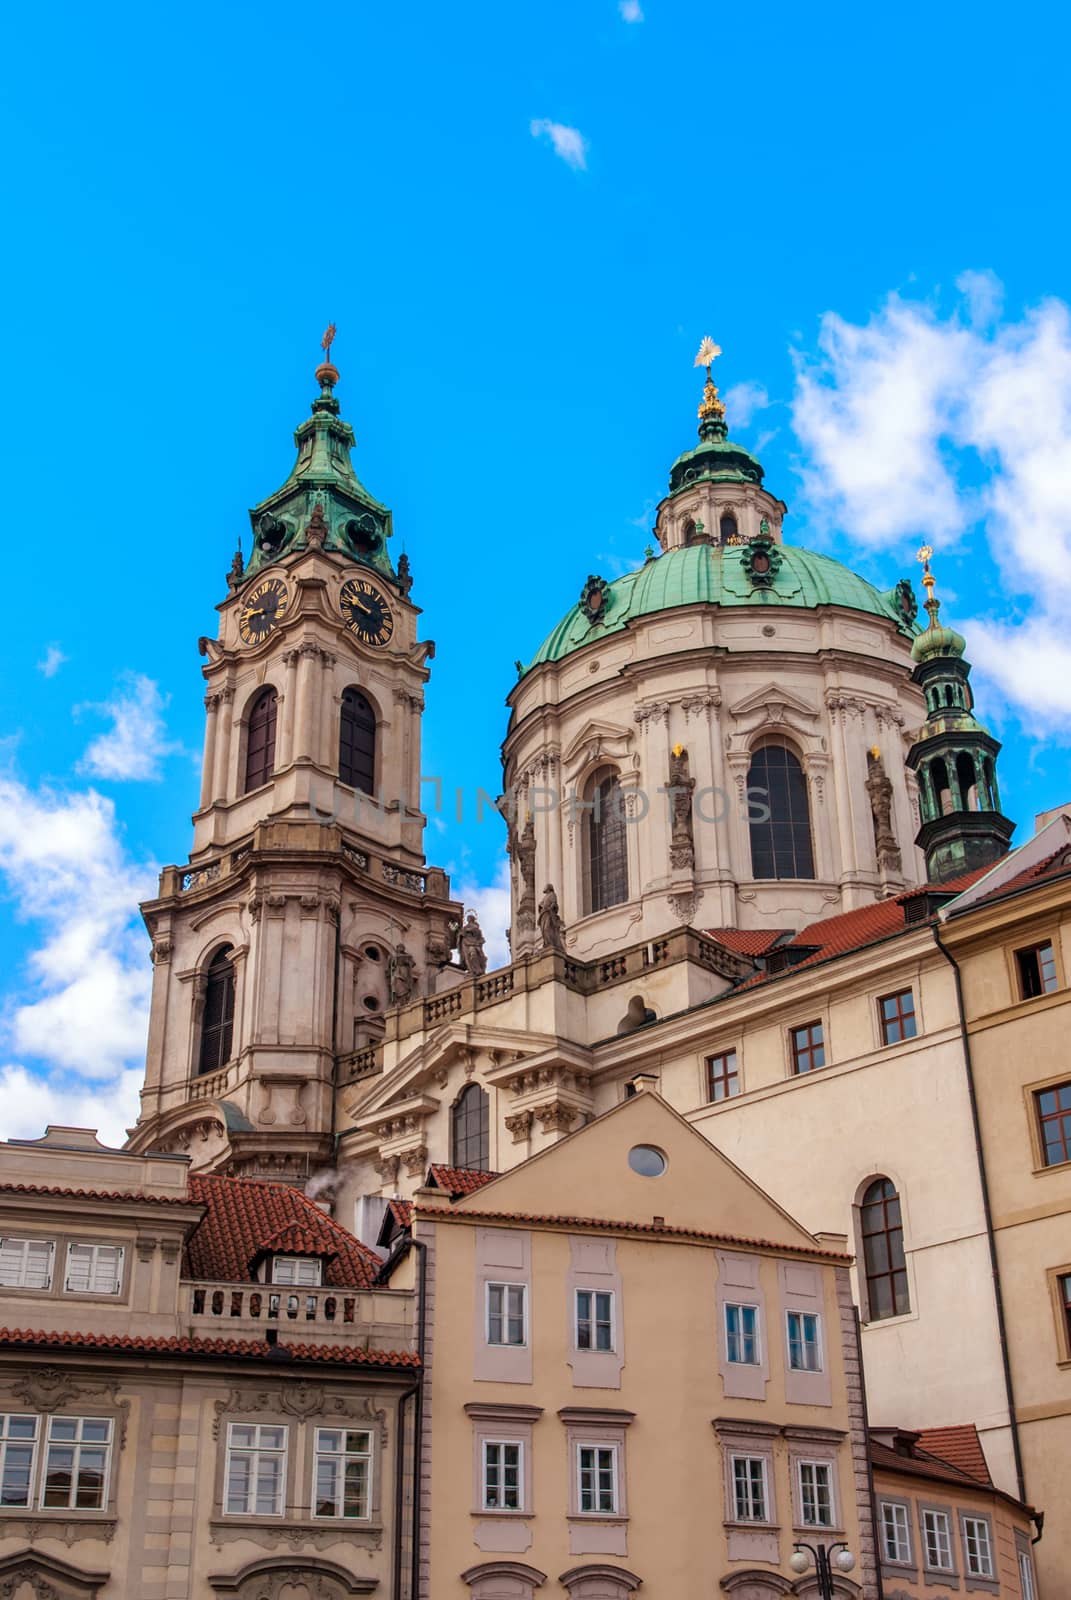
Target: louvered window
26	1263
305	1271
94	1268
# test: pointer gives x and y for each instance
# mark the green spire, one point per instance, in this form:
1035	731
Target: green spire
323	503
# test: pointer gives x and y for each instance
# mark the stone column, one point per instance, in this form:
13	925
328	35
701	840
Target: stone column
223	744
328	740
208	768
284	749
303	729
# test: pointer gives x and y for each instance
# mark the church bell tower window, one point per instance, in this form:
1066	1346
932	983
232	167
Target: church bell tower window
357	742
260	745
217	1021
606	843
779	815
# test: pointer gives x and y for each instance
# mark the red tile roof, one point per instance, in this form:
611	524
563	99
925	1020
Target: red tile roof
746	941
401	1211
246	1216
94	1194
657	1228
920	1465
960	1446
457	1181
1053	866
350	1355
297	1240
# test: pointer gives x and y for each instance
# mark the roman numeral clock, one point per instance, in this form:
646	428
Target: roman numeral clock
366	612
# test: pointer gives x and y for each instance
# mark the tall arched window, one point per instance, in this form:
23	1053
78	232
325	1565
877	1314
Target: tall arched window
217	1018
689	533
967	778
260	745
468	1129
779	815
357	742
942	789
883	1252
727	527
606	844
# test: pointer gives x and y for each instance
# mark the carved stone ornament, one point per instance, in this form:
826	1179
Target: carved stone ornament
880	792
47	1578
761	561
556	1116
684	906
680	790
595	599
303	1400
388	1168
550	921
905	600
520	1126
47	1387
524	853
414	1161
270	1577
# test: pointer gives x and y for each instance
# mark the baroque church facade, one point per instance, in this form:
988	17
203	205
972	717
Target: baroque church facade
742	786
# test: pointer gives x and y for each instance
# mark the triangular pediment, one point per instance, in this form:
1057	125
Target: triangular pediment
596	739
772	694
429	1063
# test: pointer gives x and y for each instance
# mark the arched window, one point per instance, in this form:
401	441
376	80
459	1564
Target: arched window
689	533
727	527
357	742
779	815
942	789
606	845
260	745
468	1129
217	1018
968	782
883	1252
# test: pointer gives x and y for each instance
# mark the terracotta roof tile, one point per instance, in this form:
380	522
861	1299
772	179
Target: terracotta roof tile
401	1211
919	1464
960	1446
245	1215
350	1355
746	941
64	1193
657	1228
297	1240
1053	866
456	1181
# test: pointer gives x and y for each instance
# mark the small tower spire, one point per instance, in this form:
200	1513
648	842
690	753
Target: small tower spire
711	409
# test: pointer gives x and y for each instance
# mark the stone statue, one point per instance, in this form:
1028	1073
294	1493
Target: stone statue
402	971
681	789
316	532
524	852
234	576
405	574
470	944
550	921
880	791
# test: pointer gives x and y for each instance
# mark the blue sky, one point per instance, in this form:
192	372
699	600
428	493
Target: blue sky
522	220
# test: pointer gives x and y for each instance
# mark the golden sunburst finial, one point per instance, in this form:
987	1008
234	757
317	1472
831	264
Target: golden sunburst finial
708	353
711	408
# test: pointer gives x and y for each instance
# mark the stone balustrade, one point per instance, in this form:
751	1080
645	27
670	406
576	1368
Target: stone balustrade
377	1319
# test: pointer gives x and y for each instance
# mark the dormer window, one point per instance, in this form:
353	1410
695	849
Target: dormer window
304	1272
94	1269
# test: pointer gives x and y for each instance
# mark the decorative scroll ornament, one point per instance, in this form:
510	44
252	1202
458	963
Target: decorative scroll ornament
595	598
905	600
761	561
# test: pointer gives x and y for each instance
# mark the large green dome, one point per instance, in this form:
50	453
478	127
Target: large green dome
719	575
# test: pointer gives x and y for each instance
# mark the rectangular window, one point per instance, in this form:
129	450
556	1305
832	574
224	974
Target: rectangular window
26	1263
597	1477
749	1488
742	1334
304	1271
1037	970
816	1494
502	1480
76	1463
343	1473
1054	1120
978	1547
937	1537
895	1532
594	1319
94	1268
1026	1576
723	1078
804	1350
18	1447
256	1469
1064	1285
897	1014
808	1047
507	1313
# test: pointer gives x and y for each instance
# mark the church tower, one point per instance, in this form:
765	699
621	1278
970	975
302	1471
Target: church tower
305	909
954	756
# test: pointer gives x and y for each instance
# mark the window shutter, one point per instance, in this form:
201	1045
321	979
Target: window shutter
94	1268
26	1263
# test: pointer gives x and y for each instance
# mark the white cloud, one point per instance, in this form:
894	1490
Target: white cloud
52	661
490	901
630	10
137	741
743	401
28	1104
569	143
921	425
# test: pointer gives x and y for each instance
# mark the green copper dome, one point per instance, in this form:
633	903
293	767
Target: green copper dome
706	574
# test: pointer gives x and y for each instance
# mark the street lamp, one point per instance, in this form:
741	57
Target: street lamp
825	1558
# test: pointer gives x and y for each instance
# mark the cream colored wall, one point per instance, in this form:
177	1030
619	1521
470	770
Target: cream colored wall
1006	1521
675	1539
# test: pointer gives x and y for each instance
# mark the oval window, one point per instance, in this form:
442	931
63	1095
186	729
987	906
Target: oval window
647	1161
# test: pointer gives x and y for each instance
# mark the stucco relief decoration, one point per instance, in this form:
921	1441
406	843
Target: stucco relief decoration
761	561
302	1400
45	1583
282	1578
595	599
523	851
519	1126
47	1388
684	906
905	600
701	705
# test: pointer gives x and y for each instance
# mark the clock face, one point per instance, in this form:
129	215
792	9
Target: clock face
366	612
263	610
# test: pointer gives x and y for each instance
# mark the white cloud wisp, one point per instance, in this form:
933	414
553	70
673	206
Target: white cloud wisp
568	143
136	743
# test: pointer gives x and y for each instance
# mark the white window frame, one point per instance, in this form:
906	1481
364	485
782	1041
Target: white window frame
749	1459
742	1305
594	1320
6	1443
983	1546
311	1266
901	1527
76	1445
939	1516
94	1259
819	1353
342	1457
505	1344
501	1445
255	1450
24	1246
816	1467
1027	1582
599	1447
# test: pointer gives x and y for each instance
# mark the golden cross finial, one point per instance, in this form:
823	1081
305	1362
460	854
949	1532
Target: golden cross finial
328	340
923	554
